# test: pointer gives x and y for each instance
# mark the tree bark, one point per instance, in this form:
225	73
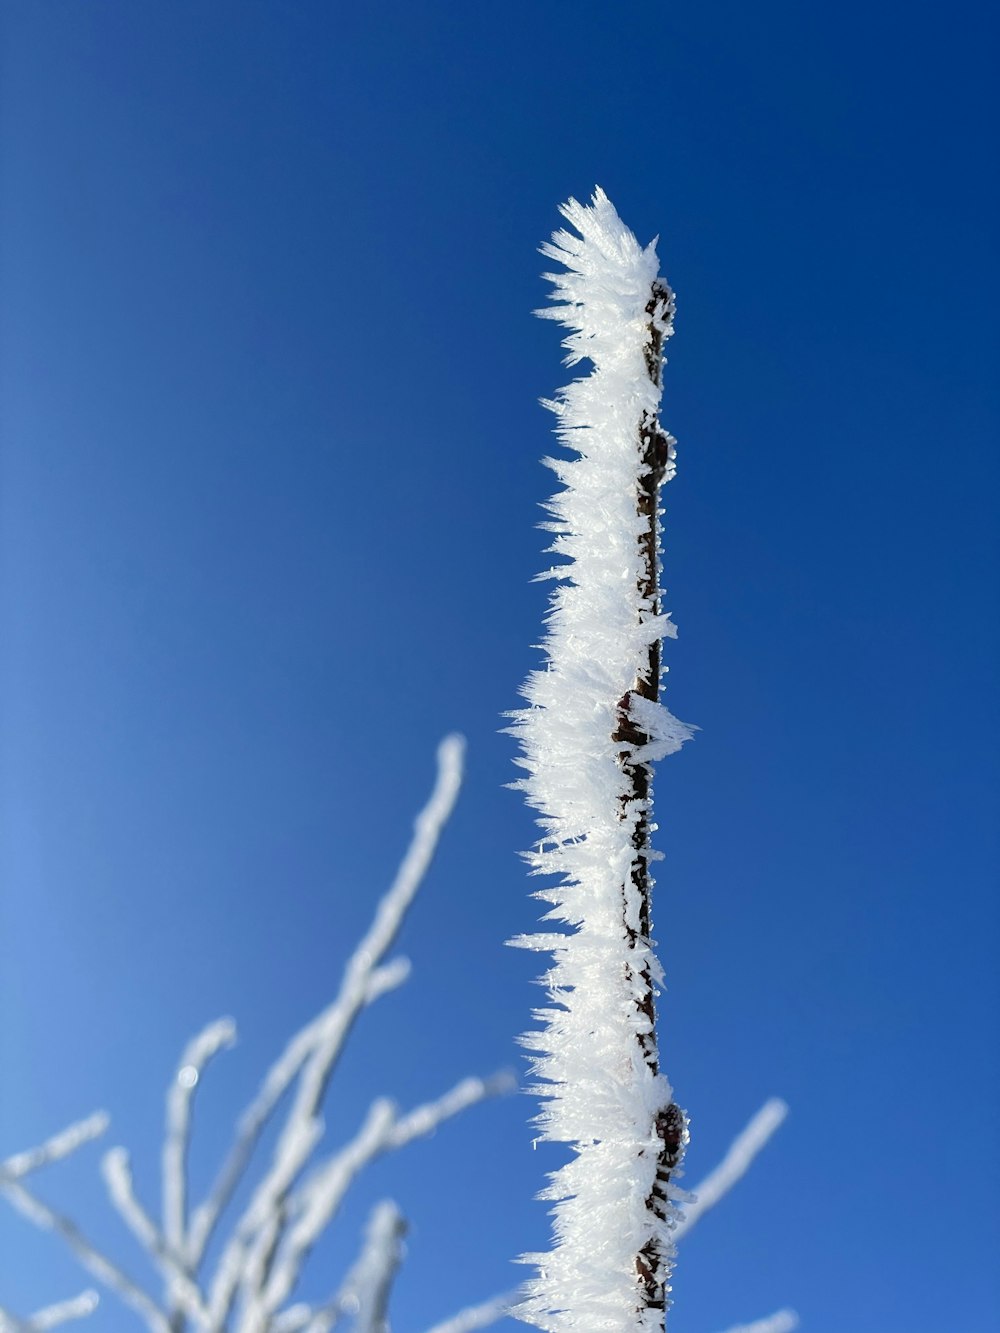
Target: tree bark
651	1262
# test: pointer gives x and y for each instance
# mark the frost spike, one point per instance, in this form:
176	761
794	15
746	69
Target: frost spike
590	736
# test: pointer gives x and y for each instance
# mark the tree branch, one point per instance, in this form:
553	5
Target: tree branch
478	1316
737	1161
52	1150
97	1264
316	1049
782	1321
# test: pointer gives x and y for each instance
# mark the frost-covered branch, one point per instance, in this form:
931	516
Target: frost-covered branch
734	1166
370	1280
384	1130
177	1139
478	1316
268	1243
12	1174
782	1321
52	1150
592	731
257	1115
77	1307
91	1258
185	1293
313	1057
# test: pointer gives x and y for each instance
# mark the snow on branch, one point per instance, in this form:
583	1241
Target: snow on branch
52	1150
782	1321
180	1096
384	1130
592	730
734	1166
117	1172
78	1307
370	1281
479	1316
242	1285
91	1258
314	1051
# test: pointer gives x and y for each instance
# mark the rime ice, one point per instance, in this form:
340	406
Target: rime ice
595	1054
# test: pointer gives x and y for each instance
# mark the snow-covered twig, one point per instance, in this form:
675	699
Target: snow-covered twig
479	1316
384	1130
180	1095
592	731
96	1263
737	1161
299	1133
263	1255
185	1293
52	1150
257	1115
782	1321
370	1281
78	1307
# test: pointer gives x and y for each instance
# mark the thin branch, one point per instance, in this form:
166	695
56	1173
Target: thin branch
734	1165
177	1138
423	1120
298	1135
52	1150
254	1119
53	1315
479	1316
97	1264
383	1131
296	1317
782	1321
371	1278
322	1195
117	1172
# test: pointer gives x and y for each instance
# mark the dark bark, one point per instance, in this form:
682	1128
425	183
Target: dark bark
651	1262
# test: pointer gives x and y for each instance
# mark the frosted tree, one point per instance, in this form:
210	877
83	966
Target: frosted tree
590	736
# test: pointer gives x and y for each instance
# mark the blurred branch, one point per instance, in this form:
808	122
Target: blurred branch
97	1264
782	1321
52	1150
302	1128
370	1281
734	1165
320	1196
180	1096
76	1308
479	1316
117	1172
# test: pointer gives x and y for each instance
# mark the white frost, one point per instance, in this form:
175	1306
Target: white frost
602	1095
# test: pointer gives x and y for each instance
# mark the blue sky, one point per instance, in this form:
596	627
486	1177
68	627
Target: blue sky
270	482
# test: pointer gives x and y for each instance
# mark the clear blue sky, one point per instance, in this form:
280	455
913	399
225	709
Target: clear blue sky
270	483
